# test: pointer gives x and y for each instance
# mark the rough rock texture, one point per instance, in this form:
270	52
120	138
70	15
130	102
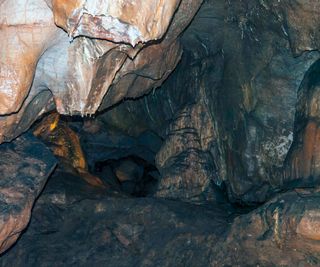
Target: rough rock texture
118	21
182	119
256	100
65	145
42	69
75	224
302	162
62	140
240	113
248	77
25	165
283	232
185	164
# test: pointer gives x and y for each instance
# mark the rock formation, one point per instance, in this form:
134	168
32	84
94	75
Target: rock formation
70	55
202	144
25	166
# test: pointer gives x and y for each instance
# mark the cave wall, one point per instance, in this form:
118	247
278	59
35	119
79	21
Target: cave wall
71	56
235	88
236	116
235	93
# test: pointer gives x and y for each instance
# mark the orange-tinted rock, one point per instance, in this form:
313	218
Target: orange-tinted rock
25	37
309	226
38	56
118	21
65	144
305	160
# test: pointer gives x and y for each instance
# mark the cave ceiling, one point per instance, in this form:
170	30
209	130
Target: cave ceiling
180	131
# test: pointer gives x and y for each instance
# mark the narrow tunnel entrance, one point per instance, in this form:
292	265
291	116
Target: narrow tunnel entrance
132	175
100	156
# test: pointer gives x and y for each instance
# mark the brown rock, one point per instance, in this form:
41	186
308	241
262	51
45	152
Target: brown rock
303	160
117	21
283	231
24	166
122	231
62	140
25	39
36	52
309	226
187	170
65	144
128	170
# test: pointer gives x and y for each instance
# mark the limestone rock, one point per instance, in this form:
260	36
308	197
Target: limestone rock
118	21
186	168
283	231
25	165
75	224
43	69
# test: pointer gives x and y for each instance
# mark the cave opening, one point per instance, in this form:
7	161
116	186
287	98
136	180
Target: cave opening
131	174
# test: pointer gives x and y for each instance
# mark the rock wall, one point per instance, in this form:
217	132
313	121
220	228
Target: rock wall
237	120
25	166
104	49
247	69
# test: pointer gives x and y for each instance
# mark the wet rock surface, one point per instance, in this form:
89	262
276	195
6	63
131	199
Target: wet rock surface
43	68
245	86
25	166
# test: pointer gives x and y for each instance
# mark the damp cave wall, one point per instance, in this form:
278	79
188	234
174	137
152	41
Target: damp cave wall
236	89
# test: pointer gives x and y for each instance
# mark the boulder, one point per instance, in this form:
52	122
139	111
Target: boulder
25	166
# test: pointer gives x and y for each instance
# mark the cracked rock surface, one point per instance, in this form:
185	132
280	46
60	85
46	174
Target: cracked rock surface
106	57
25	166
219	166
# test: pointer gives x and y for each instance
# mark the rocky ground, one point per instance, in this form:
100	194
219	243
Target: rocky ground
76	224
218	167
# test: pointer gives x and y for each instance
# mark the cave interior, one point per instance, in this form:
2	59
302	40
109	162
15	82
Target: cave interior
159	133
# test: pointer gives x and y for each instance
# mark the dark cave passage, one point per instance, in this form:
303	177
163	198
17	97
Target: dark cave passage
132	174
160	133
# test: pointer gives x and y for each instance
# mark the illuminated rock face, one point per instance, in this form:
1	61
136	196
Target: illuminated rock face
119	21
73	54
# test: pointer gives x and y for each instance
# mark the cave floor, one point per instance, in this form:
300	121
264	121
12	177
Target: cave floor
76	224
